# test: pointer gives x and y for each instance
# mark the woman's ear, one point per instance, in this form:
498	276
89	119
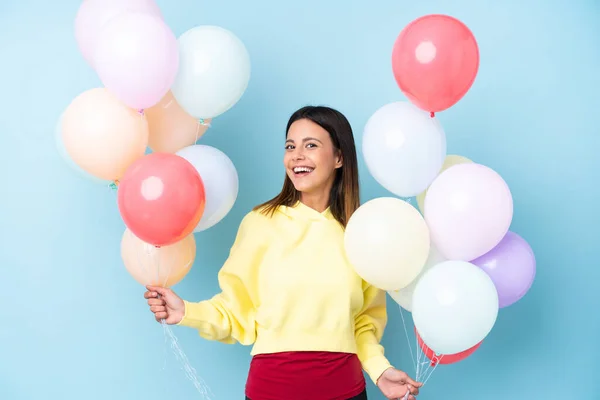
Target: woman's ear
339	161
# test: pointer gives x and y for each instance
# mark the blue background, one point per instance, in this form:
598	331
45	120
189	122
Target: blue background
74	324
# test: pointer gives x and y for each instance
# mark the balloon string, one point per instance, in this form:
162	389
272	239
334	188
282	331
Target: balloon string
408	339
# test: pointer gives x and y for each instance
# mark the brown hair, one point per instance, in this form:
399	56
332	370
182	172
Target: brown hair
344	198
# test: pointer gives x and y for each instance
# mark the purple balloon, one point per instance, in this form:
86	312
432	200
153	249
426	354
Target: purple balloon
511	265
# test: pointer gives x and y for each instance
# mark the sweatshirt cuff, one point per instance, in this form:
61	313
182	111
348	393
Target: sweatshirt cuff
187	320
375	366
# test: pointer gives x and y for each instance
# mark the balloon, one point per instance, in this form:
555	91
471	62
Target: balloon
387	242
136	58
214	71
93	15
165	266
468	209
171	128
220	180
161	198
455	306
60	147
450	161
404	296
404	148
103	136
512	267
445	358
435	60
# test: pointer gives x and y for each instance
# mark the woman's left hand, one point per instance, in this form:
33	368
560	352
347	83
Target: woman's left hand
394	384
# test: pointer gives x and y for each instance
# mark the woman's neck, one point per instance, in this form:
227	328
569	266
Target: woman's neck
317	201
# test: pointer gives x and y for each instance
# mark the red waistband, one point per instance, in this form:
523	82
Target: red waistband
305	375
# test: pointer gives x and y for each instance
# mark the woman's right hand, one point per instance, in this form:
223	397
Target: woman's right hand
169	306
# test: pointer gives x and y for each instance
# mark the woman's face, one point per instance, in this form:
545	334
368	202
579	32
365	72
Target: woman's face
310	158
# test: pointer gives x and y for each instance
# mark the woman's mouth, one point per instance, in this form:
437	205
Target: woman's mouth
302	171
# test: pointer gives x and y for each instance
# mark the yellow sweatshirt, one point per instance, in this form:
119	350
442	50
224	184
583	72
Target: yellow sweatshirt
288	286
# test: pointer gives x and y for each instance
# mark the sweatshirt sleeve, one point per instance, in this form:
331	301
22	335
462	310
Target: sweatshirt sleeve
229	316
370	323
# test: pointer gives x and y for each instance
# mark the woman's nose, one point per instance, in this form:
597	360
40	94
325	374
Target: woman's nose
298	155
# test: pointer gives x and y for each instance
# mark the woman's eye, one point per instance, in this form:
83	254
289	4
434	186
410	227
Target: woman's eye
310	145
289	147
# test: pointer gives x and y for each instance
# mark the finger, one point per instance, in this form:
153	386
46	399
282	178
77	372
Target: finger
411	397
156	302
413	390
158	289
150	295
412	382
158	309
160	315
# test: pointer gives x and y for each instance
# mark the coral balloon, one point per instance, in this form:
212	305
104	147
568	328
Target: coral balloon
136	57
435	60
450	161
445	358
171	128
161	198
103	136
468	209
387	242
93	15
164	266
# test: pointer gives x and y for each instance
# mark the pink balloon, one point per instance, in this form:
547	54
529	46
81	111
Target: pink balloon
468	209
137	59
94	14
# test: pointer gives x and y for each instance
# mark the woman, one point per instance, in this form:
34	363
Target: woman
287	286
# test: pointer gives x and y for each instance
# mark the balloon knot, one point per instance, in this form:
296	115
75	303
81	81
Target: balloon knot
432	114
202	122
114	185
141	111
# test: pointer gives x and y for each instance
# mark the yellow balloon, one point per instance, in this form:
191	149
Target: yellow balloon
171	128
387	242
158	266
450	161
102	135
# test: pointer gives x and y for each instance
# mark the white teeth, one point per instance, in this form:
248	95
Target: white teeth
302	169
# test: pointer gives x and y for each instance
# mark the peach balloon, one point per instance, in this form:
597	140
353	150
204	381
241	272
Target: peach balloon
102	135
171	128
159	266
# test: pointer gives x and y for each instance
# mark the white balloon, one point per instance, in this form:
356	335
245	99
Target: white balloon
387	242
455	306
214	71
220	178
404	296
404	148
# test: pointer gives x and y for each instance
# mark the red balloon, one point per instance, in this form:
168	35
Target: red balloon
435	60
445	358
161	198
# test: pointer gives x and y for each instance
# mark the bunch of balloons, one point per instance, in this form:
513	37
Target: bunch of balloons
453	262
139	131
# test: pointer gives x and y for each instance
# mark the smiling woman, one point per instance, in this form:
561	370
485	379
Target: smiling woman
319	141
288	287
